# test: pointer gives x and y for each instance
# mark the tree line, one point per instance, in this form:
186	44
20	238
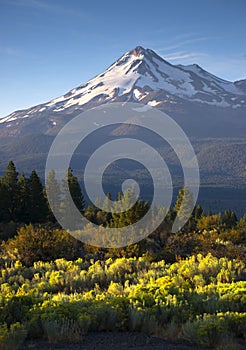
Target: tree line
23	199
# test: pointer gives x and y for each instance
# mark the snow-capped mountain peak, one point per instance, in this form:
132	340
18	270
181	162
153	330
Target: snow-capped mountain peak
142	75
140	71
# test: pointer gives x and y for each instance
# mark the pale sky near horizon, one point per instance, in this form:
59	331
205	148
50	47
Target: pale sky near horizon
49	47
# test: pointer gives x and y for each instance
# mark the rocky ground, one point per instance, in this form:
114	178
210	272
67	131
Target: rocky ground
112	341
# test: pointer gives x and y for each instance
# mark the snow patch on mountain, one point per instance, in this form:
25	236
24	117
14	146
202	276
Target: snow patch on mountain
153	103
215	81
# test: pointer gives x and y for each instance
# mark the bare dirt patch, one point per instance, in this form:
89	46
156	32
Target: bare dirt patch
112	341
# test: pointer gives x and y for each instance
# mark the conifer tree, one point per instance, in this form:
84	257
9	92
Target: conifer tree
10	182
38	206
198	212
54	191
183	207
132	215
75	190
229	219
4	213
23	210
70	182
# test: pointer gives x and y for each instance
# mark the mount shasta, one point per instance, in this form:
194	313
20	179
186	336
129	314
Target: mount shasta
211	111
190	94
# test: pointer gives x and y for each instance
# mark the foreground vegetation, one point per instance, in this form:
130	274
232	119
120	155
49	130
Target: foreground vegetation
189	285
200	299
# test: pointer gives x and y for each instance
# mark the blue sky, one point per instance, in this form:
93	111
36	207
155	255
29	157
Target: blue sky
47	47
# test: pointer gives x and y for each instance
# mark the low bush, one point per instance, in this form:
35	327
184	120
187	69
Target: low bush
12	337
63	300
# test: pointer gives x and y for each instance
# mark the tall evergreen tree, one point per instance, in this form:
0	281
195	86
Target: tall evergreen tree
75	191
242	223
198	212
183	207
23	210
133	214
229	219
10	182
91	213
38	206
54	191
4	213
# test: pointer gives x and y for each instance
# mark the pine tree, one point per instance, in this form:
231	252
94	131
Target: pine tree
183	207
54	191
134	214
10	182
23	210
38	206
229	219
198	212
75	190
242	223
91	213
4	213
71	182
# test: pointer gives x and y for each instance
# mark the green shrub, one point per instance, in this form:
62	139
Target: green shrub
209	330
11	338
104	317
184	299
16	309
62	330
169	331
136	317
